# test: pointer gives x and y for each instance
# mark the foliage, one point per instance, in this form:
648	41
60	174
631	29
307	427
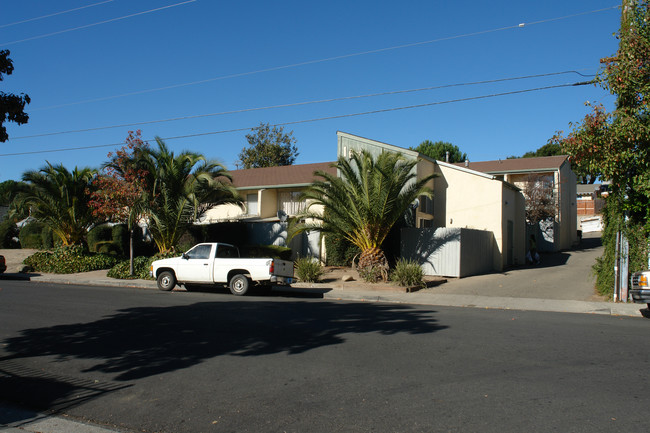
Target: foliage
180	188
616	145
141	265
340	252
407	273
308	269
372	273
268	147
36	235
439	149
273	251
540	202
120	187
59	199
363	204
12	107
69	259
549	149
8	234
614	220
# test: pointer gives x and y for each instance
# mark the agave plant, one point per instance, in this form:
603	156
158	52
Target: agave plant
363	203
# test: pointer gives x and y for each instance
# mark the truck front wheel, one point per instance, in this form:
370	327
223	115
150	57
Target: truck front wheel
239	284
166	281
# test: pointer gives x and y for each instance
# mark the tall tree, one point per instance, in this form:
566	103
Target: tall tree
268	147
616	145
59	198
364	203
12	107
181	188
120	193
439	149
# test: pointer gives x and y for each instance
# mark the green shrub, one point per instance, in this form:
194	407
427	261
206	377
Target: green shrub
100	233
8	234
141	267
308	269
68	260
36	235
273	251
120	238
340	251
108	247
371	274
407	273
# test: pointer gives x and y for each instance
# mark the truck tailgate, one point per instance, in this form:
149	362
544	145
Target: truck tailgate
283	268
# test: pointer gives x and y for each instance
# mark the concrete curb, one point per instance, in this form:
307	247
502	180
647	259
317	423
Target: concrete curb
387	296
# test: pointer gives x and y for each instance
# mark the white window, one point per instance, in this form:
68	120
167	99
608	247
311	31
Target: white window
251	204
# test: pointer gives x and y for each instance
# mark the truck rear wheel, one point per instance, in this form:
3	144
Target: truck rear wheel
239	285
166	281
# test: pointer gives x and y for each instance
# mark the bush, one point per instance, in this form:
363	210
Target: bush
340	251
371	274
309	269
69	260
8	234
407	273
273	251
100	233
141	266
36	235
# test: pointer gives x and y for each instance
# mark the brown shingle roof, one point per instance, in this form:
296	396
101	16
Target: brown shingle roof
542	163
294	175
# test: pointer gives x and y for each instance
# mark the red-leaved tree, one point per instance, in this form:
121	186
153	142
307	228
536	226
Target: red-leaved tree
120	189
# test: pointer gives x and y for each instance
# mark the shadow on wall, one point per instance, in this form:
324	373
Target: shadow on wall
450	252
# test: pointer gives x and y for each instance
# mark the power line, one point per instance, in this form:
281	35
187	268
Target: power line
319	119
98	23
327	59
295	104
54	14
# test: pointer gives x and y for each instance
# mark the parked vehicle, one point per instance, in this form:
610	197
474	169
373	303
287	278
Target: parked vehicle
219	263
3	264
639	288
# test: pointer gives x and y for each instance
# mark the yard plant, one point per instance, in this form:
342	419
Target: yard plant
362	205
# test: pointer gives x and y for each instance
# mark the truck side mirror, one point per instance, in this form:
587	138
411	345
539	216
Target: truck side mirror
185	256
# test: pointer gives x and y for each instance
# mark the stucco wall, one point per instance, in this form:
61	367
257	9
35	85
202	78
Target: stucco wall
470	201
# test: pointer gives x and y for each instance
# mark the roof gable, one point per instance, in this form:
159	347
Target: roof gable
281	176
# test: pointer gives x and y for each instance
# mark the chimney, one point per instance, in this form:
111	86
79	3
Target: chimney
447	157
466	162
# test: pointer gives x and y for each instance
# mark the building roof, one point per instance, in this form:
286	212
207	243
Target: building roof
518	165
283	176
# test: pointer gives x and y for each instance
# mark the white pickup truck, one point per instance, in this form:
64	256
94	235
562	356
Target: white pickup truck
218	263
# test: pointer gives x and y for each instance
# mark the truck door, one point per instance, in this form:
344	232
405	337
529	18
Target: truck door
195	266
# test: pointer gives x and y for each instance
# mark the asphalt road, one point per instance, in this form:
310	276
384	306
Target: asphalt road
150	361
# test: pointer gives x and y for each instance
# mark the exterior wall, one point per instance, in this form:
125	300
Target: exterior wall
471	201
267	200
568	207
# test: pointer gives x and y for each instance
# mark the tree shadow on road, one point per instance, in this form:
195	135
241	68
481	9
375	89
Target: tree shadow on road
139	342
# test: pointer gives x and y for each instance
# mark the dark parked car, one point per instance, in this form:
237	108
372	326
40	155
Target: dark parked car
639	288
3	264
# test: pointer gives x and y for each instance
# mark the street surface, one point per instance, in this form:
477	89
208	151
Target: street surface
144	360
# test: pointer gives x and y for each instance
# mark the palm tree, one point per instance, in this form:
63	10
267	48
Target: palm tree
364	203
181	188
59	198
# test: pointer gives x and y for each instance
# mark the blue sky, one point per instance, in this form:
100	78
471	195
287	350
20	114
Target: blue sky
118	62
